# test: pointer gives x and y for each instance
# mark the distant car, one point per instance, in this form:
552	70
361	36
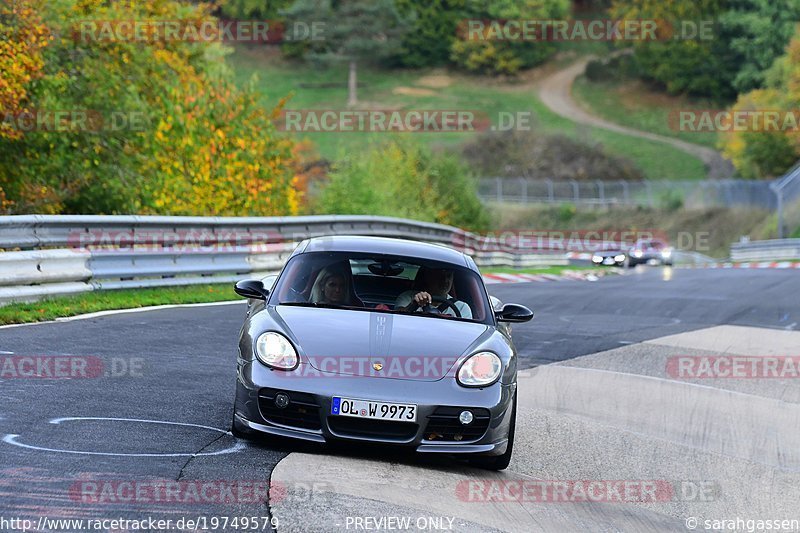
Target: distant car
335	349
610	255
650	252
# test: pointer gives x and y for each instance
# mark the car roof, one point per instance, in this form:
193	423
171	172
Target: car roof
385	245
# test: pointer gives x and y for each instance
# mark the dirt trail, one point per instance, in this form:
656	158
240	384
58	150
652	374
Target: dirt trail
555	92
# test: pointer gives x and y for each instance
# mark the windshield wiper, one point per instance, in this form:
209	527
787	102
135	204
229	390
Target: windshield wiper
320	305
423	313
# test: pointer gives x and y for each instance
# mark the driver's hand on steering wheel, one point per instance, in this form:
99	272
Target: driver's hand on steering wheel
422	299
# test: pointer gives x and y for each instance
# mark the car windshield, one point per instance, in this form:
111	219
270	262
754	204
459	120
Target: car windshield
382	283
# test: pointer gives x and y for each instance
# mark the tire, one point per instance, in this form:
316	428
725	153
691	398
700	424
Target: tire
501	462
238	430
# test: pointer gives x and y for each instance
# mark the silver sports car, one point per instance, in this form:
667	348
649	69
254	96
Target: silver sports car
379	340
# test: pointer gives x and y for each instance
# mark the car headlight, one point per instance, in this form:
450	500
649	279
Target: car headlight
638	253
597	259
667	252
479	370
620	257
275	351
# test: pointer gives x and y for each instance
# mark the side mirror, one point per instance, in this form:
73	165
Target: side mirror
269	281
514	313
251	288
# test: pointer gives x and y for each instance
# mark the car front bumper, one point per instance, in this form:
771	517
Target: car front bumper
308	415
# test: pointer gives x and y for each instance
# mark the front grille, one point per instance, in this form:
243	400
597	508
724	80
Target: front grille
443	424
346	426
302	411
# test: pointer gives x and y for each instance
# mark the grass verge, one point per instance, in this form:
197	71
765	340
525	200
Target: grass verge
633	104
91	302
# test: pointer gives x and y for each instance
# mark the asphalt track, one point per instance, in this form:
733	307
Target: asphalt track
605	410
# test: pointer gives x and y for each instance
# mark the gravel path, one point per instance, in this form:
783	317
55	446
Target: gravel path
556	93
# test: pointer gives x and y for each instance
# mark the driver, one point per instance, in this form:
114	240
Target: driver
433	286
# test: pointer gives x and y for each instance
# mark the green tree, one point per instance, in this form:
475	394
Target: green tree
747	36
766	154
402	178
757	32
433	30
505	56
355	31
254	9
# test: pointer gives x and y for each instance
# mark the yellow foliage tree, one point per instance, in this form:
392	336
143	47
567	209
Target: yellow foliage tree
759	153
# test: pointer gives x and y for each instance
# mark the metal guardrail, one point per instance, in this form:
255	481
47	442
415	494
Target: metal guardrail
772	250
55	255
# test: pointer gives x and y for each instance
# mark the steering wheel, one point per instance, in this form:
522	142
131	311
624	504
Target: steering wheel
444	304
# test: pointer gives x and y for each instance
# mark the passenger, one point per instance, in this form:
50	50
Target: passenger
332	287
432	286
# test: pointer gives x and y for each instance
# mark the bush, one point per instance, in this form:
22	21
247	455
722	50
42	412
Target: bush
538	156
671	200
566	212
401	178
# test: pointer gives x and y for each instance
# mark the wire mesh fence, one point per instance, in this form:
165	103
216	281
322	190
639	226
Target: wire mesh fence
706	193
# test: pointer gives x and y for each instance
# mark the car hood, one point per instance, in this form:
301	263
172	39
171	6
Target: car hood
357	343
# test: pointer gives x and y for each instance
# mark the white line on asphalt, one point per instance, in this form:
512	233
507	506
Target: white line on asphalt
238	446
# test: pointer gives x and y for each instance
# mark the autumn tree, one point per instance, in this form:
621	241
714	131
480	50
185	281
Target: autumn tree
760	153
170	132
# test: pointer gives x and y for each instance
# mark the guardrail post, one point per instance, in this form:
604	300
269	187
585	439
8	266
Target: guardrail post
550	194
575	190
601	192
625	192
524	190
649	190
499	189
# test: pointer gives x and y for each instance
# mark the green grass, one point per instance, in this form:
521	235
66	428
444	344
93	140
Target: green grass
632	104
90	302
278	78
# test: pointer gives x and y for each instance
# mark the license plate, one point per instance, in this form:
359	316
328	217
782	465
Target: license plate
375	410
